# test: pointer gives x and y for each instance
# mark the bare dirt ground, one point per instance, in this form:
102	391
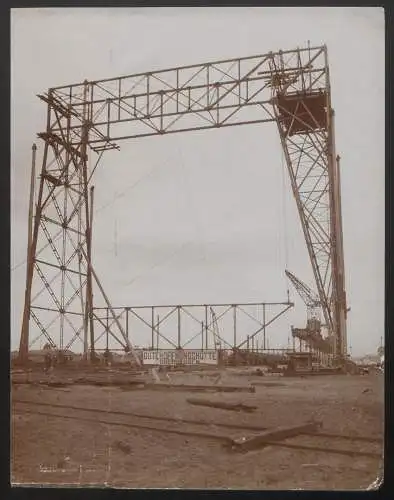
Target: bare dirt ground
73	451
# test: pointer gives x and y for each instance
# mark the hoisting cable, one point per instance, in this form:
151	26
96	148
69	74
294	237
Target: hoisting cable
165	260
188	196
121	193
116	238
157	264
106	205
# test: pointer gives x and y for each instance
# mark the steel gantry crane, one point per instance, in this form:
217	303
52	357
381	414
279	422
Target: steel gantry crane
85	120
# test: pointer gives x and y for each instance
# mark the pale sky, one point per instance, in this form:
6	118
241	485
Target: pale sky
208	216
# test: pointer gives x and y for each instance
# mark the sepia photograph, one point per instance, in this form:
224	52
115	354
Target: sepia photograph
198	248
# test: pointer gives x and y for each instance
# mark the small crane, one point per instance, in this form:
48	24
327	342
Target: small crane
312	333
309	297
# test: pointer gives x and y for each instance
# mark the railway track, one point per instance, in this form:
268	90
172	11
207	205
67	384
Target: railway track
223	433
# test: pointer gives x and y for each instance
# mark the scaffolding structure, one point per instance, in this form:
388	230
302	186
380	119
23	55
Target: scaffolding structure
191	324
85	120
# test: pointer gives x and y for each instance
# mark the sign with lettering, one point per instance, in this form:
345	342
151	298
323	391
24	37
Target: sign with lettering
179	357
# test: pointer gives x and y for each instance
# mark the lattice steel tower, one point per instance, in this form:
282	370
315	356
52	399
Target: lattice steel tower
84	120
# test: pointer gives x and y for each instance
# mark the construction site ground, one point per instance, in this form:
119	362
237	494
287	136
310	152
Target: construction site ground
80	447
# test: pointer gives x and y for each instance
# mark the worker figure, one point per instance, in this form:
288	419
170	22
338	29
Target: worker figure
48	358
381	363
47	362
107	357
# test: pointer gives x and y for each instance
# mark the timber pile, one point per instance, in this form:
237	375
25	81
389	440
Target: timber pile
137	384
269	384
222	405
311	373
199	388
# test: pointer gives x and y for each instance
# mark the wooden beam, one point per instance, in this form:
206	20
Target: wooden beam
272	435
222	405
200	388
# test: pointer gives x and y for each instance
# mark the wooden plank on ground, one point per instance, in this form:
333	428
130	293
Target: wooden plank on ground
269	384
200	388
142	384
222	405
272	435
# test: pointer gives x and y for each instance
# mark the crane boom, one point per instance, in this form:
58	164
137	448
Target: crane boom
216	338
307	295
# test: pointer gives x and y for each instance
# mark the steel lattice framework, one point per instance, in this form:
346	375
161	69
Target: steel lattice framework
84	120
199	330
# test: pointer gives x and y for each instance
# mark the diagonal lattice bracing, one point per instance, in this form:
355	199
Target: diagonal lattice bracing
85	120
187	326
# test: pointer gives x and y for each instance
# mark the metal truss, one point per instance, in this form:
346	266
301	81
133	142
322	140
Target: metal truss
305	119
86	119
187	326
